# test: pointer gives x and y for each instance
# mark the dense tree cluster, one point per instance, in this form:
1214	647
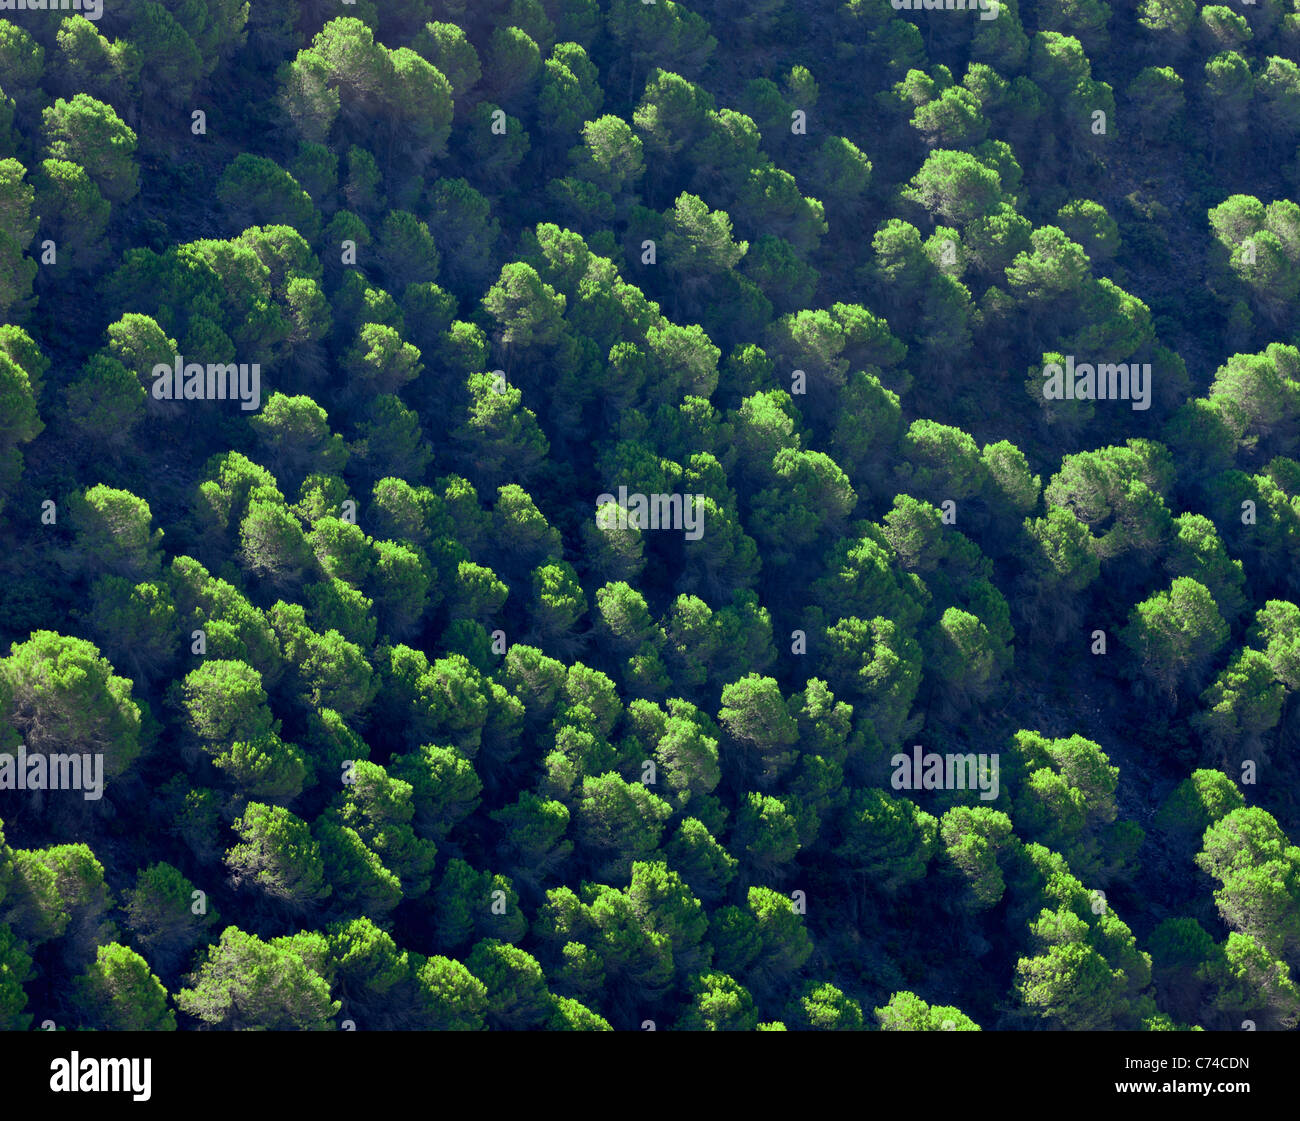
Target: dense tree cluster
402	724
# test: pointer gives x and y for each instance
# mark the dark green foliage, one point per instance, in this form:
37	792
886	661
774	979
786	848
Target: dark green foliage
618	553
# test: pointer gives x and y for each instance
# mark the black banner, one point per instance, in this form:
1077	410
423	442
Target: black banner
342	1068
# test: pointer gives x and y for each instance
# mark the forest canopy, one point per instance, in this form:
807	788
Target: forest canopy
615	514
